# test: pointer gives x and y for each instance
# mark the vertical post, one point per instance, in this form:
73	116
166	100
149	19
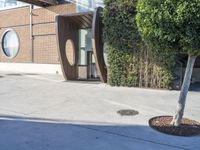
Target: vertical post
31	33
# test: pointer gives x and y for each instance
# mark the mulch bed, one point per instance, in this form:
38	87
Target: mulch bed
188	127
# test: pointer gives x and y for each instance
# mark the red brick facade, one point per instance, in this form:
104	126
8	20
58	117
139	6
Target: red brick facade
43	46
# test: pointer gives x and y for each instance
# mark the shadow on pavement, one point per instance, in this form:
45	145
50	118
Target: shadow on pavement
195	87
22	133
84	81
14	74
20	74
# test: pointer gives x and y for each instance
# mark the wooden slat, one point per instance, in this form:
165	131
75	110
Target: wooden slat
82	20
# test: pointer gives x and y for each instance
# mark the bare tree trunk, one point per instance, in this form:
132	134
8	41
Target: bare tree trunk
184	91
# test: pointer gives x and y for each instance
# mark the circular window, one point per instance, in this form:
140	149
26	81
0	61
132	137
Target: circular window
10	43
105	54
70	52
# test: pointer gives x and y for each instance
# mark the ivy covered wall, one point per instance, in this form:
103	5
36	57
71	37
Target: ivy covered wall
131	62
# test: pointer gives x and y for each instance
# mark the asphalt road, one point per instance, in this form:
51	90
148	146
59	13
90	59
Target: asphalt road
42	112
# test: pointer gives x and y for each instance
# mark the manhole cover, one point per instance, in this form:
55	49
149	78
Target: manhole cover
128	112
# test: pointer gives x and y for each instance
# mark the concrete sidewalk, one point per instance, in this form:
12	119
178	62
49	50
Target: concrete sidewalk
42	112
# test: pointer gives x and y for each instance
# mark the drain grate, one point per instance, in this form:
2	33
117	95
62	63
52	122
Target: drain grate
128	112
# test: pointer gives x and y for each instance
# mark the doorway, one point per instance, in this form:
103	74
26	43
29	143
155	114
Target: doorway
87	67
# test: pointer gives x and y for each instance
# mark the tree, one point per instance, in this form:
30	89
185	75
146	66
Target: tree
172	26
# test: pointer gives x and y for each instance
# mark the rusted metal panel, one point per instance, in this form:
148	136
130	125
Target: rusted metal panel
97	41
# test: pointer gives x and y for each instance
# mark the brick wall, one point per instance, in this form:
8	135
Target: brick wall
44	29
44	32
44	49
13	19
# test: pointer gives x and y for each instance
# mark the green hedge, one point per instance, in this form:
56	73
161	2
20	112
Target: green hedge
131	63
121	71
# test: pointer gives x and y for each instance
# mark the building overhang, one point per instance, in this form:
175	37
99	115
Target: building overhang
68	29
80	20
41	3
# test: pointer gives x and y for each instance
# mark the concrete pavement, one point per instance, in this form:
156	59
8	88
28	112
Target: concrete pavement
42	112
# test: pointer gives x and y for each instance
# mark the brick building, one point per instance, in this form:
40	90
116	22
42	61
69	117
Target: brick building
28	37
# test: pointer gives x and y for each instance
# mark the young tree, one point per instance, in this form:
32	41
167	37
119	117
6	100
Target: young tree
172	26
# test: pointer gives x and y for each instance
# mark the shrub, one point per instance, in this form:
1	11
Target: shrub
131	63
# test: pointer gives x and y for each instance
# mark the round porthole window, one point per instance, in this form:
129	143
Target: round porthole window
70	52
10	43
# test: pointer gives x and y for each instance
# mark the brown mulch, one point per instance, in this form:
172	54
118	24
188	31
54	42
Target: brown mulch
188	127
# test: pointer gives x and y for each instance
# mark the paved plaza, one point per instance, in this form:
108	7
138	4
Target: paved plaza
42	112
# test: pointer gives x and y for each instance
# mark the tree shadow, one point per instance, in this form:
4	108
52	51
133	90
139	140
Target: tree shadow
84	81
21	133
195	87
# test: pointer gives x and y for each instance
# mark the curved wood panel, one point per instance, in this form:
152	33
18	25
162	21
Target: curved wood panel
97	41
67	31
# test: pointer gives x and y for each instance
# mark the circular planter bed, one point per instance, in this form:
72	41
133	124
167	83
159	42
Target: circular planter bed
187	128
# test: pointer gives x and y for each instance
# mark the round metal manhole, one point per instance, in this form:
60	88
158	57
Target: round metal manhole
128	112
